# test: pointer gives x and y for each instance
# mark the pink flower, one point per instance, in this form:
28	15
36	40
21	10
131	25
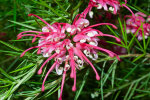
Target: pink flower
138	21
68	44
108	5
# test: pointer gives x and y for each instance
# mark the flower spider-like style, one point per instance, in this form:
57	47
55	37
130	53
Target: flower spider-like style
138	24
111	5
68	44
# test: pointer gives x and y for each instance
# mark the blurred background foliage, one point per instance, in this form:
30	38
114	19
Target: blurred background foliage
125	80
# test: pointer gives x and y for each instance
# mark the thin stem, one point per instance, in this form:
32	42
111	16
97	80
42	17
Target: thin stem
133	55
124	56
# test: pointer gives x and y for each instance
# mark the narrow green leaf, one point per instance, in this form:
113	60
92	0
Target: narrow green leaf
133	37
51	91
61	6
10	46
30	65
140	96
81	86
22	24
109	71
115	35
122	31
129	73
21	40
5	81
125	32
112	31
19	82
116	44
113	76
137	41
143	91
45	4
5	85
126	96
117	95
32	21
143	35
38	91
133	90
78	5
6	75
148	42
101	81
14	13
12	64
138	58
8	92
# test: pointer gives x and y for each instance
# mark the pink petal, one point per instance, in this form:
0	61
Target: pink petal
128	9
62	84
117	39
74	85
28	32
72	63
77	53
41	19
51	57
86	59
27	50
53	66
111	54
102	24
141	14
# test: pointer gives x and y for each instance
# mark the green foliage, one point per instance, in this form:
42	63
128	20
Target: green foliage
128	79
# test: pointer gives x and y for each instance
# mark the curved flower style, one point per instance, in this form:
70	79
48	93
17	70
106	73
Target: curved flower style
137	23
68	44
111	5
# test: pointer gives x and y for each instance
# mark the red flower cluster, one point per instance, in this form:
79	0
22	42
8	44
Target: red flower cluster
76	43
68	44
138	23
108	5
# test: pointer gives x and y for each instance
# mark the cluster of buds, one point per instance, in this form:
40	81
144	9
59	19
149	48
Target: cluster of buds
108	5
70	45
138	24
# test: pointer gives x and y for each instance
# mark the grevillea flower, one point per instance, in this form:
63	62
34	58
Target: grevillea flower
68	44
108	5
137	23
